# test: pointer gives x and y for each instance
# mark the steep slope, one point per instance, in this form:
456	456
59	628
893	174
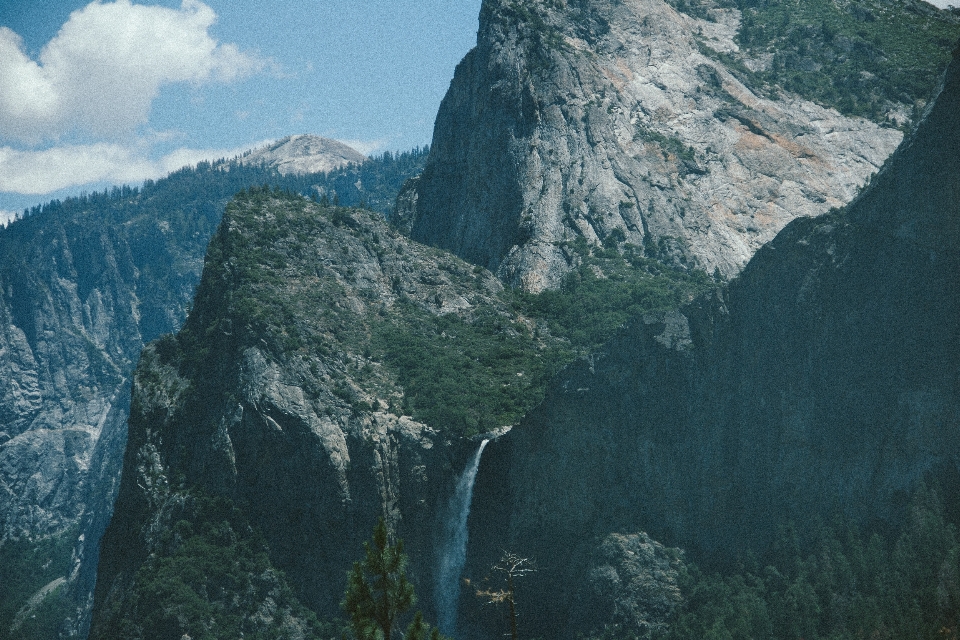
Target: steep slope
304	154
825	379
872	58
85	283
312	386
632	122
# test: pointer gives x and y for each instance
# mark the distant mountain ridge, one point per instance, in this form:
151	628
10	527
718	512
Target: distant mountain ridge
301	154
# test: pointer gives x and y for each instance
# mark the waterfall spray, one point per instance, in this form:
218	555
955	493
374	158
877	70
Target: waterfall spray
453	547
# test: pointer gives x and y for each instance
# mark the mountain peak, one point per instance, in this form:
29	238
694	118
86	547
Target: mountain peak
304	153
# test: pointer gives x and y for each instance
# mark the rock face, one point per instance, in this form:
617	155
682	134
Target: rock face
273	396
74	299
824	379
302	154
617	119
79	298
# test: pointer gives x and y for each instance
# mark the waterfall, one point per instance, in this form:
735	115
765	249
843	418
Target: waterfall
453	547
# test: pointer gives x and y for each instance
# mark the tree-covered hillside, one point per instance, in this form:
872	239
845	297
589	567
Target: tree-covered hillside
368	329
206	187
879	59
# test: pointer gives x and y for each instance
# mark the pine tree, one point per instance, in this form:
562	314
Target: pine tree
420	630
378	591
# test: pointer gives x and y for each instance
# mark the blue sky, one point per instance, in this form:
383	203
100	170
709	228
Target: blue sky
119	91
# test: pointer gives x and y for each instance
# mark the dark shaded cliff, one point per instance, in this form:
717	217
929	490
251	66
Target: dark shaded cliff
825	379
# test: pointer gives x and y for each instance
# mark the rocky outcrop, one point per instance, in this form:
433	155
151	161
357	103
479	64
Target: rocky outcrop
823	380
313	482
276	396
619	120
78	300
302	154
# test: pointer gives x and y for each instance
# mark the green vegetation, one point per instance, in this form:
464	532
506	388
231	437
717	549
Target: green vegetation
609	288
46	620
209	579
475	376
291	267
841	585
670	146
861	57
292	287
372	185
694	8
468	376
478	375
463	372
28	566
203	190
540	35
378	593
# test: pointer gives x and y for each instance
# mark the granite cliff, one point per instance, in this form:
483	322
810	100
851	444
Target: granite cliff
823	380
80	297
304	154
631	121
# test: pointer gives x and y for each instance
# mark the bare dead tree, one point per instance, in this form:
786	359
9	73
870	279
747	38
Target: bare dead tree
512	567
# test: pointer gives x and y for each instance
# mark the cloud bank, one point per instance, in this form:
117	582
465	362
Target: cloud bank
29	172
101	72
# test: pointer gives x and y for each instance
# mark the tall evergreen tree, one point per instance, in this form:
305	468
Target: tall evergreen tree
378	591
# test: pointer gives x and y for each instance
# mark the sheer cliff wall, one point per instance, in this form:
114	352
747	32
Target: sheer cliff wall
618	120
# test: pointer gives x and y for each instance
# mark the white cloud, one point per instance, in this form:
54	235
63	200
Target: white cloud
41	172
6	217
102	71
37	172
943	4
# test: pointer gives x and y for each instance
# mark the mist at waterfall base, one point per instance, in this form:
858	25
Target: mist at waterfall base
453	546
